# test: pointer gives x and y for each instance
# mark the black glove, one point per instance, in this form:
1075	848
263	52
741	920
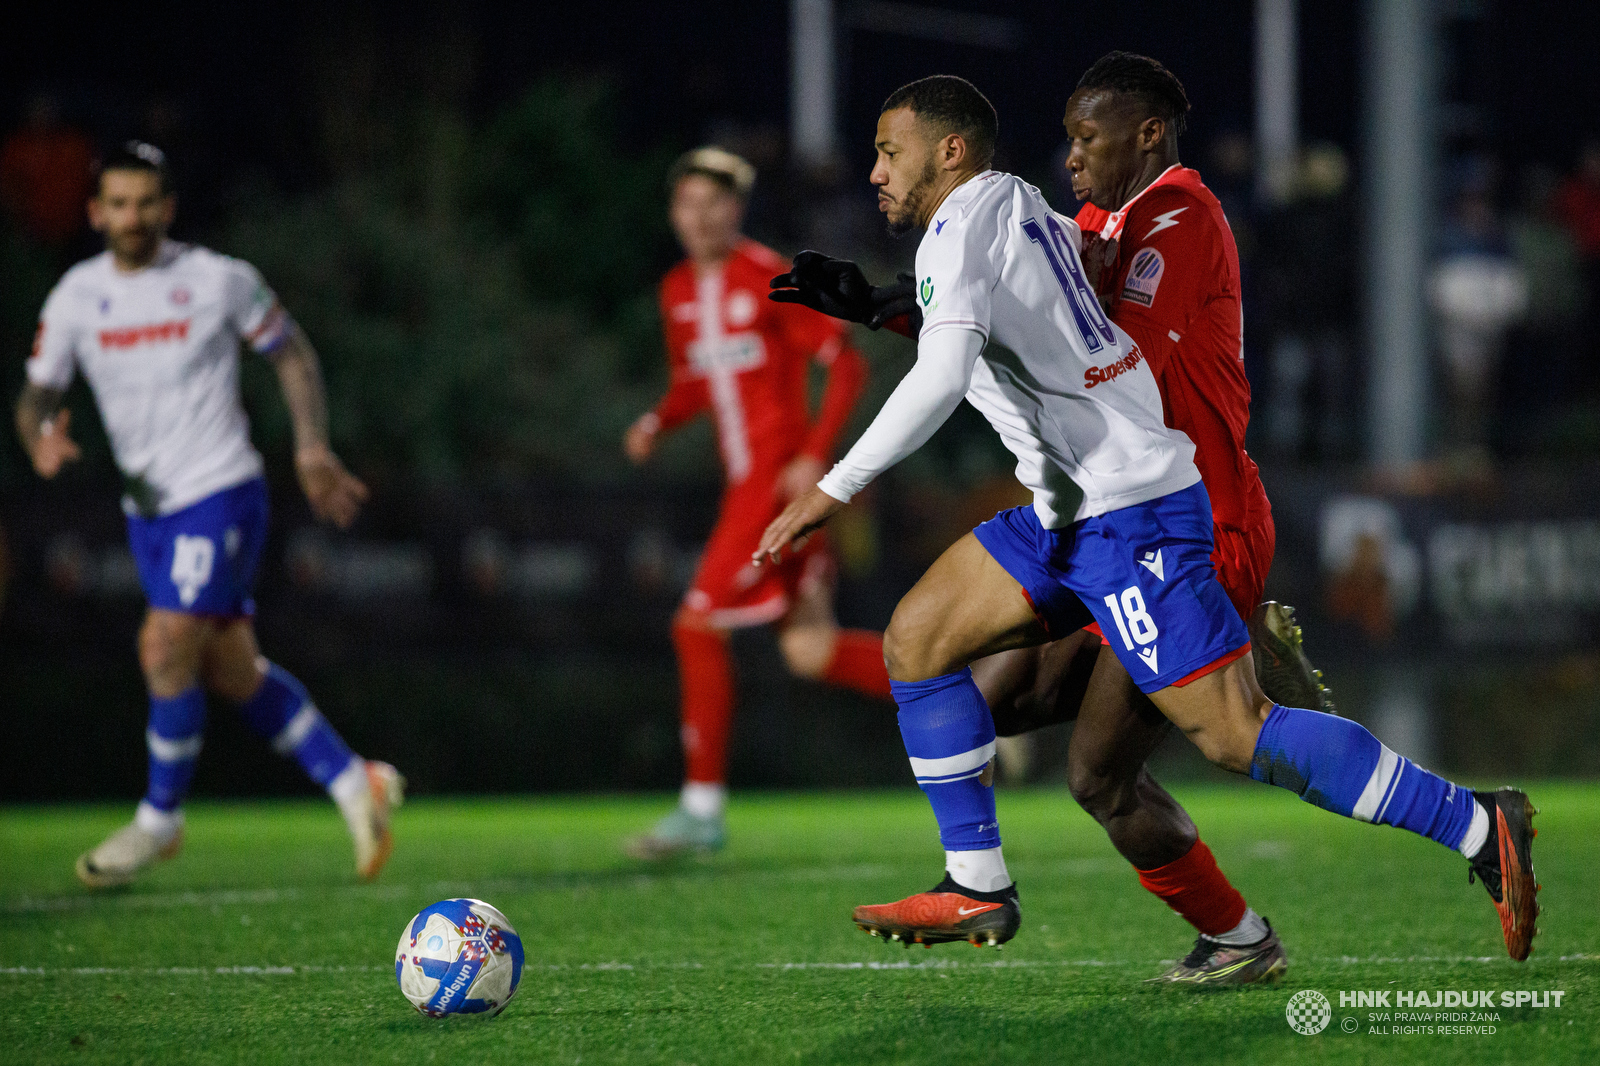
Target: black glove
897	298
836	287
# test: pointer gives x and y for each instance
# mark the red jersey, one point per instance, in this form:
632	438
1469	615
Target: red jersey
745	358
1189	324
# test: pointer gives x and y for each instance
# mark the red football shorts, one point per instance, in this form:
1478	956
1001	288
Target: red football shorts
1242	558
735	593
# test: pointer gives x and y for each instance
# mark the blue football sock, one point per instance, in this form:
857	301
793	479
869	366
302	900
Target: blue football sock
949	735
1339	766
177	725
282	712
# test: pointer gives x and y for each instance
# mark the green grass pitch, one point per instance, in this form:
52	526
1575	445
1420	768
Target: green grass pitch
255	945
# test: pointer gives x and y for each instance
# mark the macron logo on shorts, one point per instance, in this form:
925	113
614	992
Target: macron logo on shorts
1153	563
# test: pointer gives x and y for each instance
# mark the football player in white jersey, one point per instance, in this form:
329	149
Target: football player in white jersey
1119	533
155	327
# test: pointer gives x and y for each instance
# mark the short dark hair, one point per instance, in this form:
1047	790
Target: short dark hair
1159	92
137	155
951	105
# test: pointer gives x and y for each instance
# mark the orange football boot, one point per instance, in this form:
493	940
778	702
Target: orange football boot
947	913
1505	866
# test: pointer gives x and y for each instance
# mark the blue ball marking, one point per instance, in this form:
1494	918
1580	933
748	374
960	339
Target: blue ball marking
456	976
514	946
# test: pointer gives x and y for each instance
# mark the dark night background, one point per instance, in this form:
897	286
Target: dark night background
463	205
249	84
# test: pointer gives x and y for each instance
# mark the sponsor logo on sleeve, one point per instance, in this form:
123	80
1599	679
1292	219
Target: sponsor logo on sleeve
1144	276
1099	375
926	291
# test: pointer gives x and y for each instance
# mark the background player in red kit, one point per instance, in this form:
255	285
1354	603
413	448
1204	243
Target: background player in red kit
746	361
1164	261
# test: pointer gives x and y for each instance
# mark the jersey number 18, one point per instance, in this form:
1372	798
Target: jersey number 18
1091	320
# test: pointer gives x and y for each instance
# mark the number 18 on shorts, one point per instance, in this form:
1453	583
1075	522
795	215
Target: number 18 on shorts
1145	574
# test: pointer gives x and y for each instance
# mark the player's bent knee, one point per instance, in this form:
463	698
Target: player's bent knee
1099	791
169	648
234	668
807	650
688	621
915	645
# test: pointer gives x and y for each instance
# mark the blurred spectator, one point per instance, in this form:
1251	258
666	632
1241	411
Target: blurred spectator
1307	307
1550	334
46	174
1578	203
1477	291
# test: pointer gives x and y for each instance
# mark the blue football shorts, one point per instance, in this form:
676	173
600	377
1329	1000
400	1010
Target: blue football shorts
202	559
1143	572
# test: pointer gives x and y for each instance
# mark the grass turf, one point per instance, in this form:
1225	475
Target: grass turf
256	946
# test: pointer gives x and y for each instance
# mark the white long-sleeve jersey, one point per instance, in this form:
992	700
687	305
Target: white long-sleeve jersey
160	349
1009	322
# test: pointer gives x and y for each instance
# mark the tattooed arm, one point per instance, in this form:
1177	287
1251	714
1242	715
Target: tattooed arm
42	424
336	495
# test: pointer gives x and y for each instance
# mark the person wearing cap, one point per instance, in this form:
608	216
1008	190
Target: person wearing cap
744	360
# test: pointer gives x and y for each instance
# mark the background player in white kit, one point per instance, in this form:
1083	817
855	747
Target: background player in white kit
1120	528
154	325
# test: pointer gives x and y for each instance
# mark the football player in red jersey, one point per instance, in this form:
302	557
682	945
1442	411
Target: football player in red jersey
1165	266
745	360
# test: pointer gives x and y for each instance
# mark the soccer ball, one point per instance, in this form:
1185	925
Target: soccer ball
459	956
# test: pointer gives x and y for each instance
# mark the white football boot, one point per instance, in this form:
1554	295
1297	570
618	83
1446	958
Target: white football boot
121	856
366	812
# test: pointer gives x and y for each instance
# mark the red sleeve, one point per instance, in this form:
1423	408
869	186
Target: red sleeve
827	340
900	324
687	394
1171	258
847	379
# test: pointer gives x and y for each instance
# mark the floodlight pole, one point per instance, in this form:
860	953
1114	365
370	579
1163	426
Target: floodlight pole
813	125
1400	106
1277	99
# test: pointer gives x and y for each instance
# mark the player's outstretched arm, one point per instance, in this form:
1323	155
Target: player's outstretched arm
43	424
335	494
919	405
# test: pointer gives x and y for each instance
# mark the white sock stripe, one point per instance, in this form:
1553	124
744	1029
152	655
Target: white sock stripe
952	765
947	780
296	729
1377	790
169	750
1394	786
